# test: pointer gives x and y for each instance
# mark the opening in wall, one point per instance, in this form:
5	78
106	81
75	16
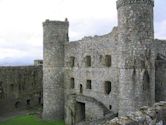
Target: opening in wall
110	107
11	87
88	61
108	60
146	81
107	87
72	61
17	104
81	89
39	100
72	83
88	84
28	102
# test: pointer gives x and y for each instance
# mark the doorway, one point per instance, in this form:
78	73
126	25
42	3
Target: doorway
80	112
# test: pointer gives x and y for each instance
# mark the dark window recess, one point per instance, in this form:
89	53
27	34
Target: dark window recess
146	81
39	100
11	87
81	89
110	107
107	87
88	84
72	83
88	61
108	60
17	104
28	102
72	61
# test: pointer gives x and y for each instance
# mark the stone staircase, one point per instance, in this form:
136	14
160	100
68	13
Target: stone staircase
84	99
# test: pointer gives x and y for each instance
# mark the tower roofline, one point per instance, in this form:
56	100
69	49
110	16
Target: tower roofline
120	3
55	22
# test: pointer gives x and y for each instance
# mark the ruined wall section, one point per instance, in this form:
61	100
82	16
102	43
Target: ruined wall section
97	48
160	81
155	115
20	87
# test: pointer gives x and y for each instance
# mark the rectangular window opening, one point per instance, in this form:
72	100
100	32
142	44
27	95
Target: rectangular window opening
88	84
72	61
108	60
107	87
88	61
72	83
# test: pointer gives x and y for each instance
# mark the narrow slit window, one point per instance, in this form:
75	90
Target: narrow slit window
110	107
88	61
72	83
107	87
108	60
146	81
89	84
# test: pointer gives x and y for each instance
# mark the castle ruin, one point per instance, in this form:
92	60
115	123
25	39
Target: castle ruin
94	79
104	76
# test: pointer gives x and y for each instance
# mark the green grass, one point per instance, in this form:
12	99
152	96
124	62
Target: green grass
30	120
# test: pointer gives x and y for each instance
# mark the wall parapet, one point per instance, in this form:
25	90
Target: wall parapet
155	115
121	3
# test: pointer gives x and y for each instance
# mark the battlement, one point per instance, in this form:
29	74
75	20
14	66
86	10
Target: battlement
121	3
58	23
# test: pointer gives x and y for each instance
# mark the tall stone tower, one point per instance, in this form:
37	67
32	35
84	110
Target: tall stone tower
55	36
136	54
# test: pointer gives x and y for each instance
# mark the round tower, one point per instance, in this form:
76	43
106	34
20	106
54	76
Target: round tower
54	37
136	54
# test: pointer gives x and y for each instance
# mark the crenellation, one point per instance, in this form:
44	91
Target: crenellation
121	3
57	23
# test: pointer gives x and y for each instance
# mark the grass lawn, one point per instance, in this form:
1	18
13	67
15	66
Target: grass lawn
30	120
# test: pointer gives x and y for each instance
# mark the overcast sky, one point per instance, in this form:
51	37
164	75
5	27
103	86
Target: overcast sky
21	24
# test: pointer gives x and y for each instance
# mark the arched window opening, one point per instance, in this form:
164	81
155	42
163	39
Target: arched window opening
17	104
146	81
81	89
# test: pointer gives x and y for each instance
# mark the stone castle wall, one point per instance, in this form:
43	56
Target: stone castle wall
160	64
20	87
98	73
99	77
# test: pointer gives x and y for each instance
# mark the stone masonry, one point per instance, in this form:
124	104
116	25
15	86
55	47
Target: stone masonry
102	77
20	87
